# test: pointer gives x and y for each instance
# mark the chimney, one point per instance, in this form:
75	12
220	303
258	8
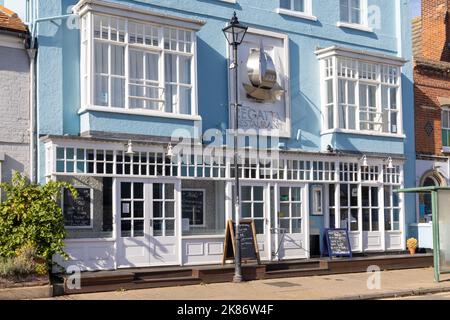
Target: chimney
436	30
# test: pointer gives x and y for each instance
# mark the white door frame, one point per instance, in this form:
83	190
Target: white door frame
148	202
305	216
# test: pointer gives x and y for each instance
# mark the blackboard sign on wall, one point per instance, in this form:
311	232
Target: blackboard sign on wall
338	243
77	211
249	244
193	206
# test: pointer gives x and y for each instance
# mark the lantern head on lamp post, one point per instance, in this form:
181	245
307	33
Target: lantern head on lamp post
235	33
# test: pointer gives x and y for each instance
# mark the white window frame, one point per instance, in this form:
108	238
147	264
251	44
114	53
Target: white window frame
349	207
371	207
390	208
307	13
333	69
252	203
87	73
364	21
317	201
290	204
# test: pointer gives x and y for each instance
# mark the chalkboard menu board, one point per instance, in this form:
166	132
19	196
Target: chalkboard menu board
338	243
249	244
192	206
77	211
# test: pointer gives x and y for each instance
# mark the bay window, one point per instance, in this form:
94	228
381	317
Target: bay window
129	65
360	96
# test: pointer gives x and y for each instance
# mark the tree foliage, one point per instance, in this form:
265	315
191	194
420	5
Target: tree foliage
30	214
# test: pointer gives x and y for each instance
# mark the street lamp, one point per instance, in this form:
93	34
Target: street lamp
235	33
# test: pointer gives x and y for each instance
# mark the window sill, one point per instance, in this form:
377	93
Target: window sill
355	26
140	112
364	133
446	149
297	14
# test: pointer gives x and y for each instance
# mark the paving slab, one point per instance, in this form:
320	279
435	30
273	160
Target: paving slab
345	286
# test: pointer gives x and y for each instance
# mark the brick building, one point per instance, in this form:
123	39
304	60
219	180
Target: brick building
14	96
431	50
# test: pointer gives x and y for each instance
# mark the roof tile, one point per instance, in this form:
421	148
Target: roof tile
10	21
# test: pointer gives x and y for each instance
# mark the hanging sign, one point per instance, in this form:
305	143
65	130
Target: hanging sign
338	243
249	244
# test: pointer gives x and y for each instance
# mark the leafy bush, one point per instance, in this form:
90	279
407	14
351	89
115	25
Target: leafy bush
31	216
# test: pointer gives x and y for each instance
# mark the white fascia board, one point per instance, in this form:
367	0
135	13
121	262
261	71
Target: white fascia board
131	12
359	54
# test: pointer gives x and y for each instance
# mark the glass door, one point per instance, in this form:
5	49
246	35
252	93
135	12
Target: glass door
163	228
132	227
147	229
290	223
371	224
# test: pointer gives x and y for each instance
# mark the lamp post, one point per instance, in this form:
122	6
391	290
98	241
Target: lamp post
235	33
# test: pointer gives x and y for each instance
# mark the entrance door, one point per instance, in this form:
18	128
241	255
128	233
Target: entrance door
147	231
290	227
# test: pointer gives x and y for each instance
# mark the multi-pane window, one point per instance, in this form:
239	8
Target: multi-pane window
352	11
163	210
295	5
348	172
389	98
445	124
370	173
132	209
370	208
252	206
137	65
391	208
367	95
329	92
349	207
290	215
332	205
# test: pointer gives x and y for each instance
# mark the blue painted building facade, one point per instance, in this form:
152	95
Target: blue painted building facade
119	75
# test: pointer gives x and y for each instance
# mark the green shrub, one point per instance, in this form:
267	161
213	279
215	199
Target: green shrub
31	215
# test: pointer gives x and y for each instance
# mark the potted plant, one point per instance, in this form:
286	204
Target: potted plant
412	245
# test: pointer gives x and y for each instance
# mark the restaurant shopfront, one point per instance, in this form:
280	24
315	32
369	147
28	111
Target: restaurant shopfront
149	209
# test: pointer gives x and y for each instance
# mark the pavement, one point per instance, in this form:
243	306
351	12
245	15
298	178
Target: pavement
392	284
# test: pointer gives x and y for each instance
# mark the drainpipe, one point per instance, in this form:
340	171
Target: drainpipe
32	53
33	136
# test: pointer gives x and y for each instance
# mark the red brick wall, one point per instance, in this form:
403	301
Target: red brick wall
427	88
436	29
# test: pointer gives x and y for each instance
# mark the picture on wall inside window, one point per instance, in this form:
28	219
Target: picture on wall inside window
193	207
77	211
263	83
